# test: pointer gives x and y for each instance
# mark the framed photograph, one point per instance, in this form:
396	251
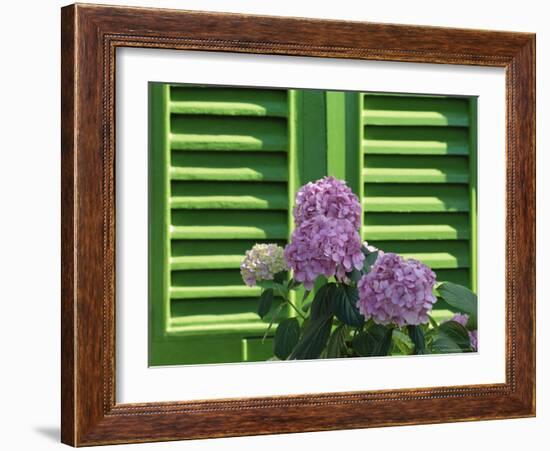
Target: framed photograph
278	225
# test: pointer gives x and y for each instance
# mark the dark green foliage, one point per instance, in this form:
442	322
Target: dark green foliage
345	308
266	301
314	339
286	338
451	337
323	303
417	336
376	341
462	299
336	346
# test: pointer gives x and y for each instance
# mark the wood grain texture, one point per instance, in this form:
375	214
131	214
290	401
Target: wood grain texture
90	36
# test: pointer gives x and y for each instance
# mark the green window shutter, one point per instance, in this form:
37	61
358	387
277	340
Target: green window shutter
419	177
219	169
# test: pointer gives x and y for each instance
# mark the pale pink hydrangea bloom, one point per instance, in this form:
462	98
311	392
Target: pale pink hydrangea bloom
262	262
397	291
328	197
323	246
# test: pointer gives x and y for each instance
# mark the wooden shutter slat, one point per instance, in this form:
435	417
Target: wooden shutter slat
275	231
268	202
227	291
415	204
415	111
206	262
415	140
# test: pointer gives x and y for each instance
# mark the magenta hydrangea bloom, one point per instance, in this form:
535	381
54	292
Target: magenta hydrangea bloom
473	339
262	262
462	318
328	197
397	291
323	246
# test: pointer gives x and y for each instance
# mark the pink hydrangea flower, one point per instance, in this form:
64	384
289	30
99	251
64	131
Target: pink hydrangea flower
462	318
328	197
397	291
473	339
262	262
323	246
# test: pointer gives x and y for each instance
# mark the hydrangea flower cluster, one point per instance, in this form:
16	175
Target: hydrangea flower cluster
326	240
397	291
462	318
328	197
262	262
324	246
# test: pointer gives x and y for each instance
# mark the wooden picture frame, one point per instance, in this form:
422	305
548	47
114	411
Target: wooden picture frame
90	37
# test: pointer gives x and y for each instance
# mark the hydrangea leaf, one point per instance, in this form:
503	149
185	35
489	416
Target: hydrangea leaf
286	338
402	342
336	346
460	298
370	259
345	307
451	337
376	341
323	303
314	339
266	301
418	339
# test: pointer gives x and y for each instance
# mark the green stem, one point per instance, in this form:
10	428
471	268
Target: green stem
296	309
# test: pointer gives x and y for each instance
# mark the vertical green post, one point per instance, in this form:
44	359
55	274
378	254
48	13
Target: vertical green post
473	191
336	134
353	141
343	140
314	144
159	210
360	101
294	105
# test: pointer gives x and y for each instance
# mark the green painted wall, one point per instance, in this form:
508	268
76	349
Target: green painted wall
224	167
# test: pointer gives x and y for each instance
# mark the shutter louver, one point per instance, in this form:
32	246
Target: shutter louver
418	170
228	189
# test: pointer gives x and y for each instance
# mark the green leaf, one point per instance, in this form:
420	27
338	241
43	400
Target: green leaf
292	284
266	301
286	337
402	342
336	346
273	319
461	298
323	302
433	322
345	307
376	341
314	339
266	284
355	275
306	304
370	259
417	337
280	277
451	337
